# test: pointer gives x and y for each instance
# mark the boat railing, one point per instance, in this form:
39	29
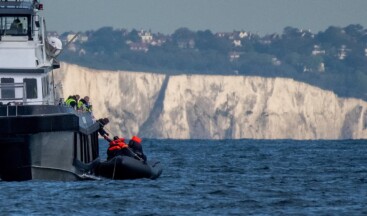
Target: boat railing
9	90
16	94
8	94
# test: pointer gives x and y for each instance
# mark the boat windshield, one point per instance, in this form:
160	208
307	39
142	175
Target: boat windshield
17	3
14	25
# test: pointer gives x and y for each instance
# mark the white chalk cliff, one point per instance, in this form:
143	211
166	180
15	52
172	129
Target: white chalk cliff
214	107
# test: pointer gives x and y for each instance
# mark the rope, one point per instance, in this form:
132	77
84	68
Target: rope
114	169
141	159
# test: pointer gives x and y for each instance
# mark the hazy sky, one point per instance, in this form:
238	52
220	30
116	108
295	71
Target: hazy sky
165	16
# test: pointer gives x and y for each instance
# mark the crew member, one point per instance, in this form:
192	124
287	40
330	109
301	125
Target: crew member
136	147
72	101
102	122
16	26
84	105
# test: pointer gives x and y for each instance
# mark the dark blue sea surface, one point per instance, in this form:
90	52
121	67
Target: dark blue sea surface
226	177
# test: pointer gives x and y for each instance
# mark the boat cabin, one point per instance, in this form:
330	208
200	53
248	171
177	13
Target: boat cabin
19	18
27	56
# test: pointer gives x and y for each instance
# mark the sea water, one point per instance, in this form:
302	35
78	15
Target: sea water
205	177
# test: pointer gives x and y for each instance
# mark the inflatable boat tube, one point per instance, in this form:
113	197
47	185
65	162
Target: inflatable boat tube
124	167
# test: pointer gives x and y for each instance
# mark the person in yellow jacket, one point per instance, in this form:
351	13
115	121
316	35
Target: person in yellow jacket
84	104
72	101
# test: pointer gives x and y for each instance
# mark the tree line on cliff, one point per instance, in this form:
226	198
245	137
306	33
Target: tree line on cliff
334	59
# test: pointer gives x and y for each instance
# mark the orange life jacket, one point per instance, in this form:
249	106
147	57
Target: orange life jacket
136	139
117	144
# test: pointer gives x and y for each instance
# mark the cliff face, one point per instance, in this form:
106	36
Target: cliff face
214	107
125	98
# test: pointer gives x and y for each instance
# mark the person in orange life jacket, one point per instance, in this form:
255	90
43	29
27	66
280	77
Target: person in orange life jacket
135	145
117	147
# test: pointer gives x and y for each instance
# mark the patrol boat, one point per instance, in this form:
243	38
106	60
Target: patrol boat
39	138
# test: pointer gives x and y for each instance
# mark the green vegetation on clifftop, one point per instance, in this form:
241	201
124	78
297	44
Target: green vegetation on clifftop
335	59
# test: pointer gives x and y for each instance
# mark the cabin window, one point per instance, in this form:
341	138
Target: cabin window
14	25
31	88
7	91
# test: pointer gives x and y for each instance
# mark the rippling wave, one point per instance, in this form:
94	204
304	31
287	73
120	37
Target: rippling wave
226	177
